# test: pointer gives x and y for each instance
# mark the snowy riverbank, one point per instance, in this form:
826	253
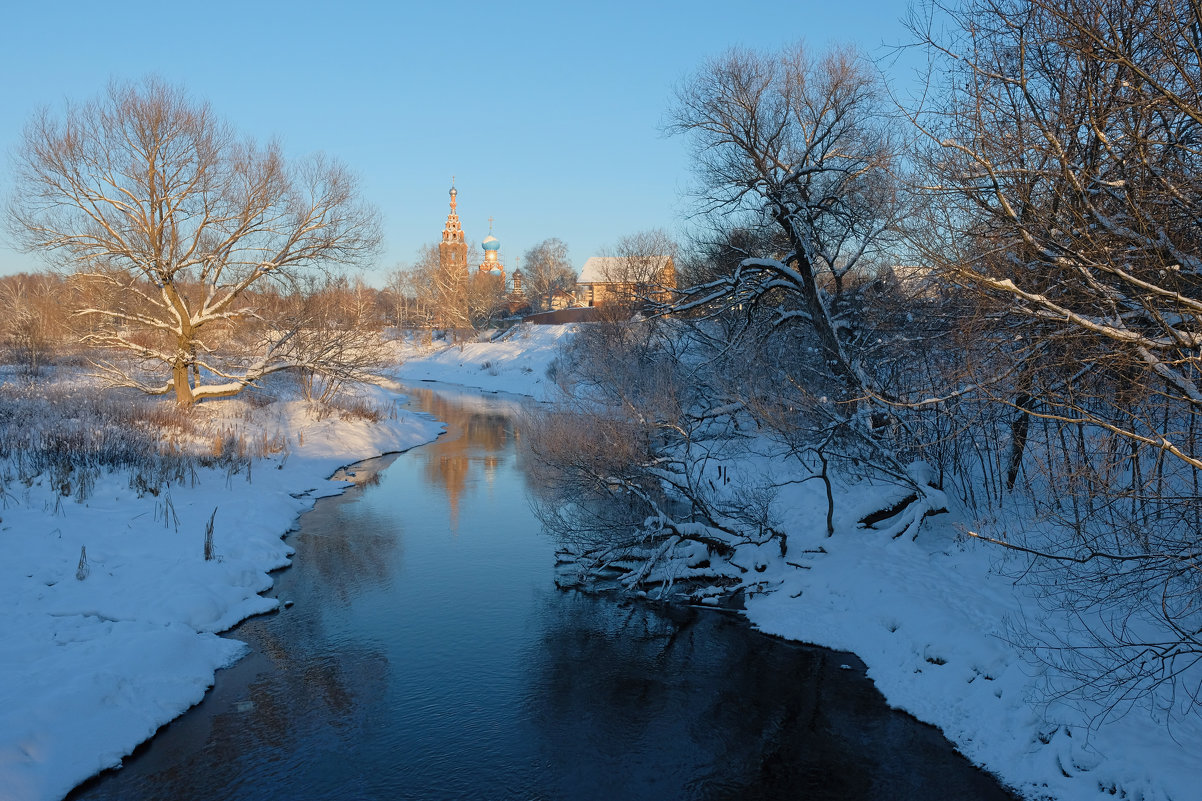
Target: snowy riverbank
97	656
515	362
928	617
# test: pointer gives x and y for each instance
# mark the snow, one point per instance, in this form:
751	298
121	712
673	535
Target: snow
516	362
90	668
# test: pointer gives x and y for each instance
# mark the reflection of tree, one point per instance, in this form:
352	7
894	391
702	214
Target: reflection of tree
692	704
484	434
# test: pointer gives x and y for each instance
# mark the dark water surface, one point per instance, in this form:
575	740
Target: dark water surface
429	656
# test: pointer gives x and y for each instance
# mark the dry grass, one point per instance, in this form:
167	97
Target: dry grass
355	408
67	433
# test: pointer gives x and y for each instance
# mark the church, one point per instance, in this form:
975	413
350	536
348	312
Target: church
627	282
452	253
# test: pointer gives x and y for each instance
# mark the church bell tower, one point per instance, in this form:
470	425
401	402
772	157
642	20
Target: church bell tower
452	250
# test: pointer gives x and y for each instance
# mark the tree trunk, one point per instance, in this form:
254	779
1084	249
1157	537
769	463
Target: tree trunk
1019	428
820	318
1020	425
179	378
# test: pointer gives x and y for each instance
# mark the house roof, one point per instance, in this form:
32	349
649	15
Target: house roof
610	269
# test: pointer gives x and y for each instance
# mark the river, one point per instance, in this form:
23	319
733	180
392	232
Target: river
426	654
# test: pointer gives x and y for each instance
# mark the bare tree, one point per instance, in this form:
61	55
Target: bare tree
547	270
33	322
1065	185
146	190
799	153
802	142
805	146
486	300
451	288
409	309
640	271
336	338
416	290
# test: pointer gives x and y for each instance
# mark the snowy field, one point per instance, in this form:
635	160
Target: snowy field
926	616
98	654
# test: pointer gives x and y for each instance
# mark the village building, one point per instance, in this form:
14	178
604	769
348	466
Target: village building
562	299
609	280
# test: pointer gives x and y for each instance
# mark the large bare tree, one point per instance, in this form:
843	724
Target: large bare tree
802	149
148	191
798	149
801	142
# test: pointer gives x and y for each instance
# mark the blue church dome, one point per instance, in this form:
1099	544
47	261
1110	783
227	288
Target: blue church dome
491	243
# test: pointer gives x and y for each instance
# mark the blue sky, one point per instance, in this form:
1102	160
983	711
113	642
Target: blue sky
548	114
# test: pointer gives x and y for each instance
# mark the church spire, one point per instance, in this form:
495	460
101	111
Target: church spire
452	232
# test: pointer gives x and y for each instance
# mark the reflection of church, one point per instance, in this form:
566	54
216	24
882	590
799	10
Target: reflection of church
484	436
452	252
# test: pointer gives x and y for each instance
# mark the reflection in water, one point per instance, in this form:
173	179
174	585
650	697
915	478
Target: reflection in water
481	432
689	703
428	655
369	553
